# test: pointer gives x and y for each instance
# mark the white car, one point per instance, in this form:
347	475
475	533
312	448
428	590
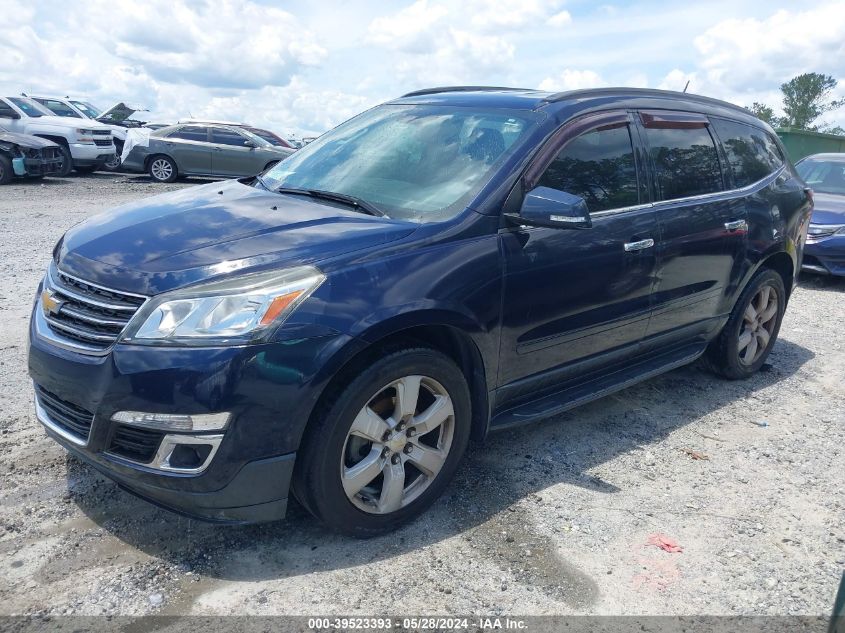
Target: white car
115	117
85	145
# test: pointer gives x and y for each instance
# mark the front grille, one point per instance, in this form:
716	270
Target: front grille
102	143
139	445
70	417
87	314
102	132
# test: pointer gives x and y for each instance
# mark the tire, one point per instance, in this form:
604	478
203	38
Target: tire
331	451
748	337
114	164
67	161
164	166
6	171
85	169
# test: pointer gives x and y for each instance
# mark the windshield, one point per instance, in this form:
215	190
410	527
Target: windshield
418	163
92	112
823	176
30	107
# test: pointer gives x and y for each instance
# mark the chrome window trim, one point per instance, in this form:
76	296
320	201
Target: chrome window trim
728	193
44	418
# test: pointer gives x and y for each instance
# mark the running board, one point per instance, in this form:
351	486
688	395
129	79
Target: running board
595	388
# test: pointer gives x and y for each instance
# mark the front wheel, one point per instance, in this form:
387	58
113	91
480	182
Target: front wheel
66	165
752	328
113	163
385	447
163	169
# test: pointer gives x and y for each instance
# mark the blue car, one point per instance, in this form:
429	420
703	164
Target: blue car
825	249
448	264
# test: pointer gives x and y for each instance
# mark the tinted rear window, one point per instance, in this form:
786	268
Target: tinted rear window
598	166
685	160
752	153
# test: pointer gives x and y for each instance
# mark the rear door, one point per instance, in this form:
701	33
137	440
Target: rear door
190	147
571	294
703	226
230	156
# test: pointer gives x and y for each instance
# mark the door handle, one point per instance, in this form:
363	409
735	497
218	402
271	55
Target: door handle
638	246
736	225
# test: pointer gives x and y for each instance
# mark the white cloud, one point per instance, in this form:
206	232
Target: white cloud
571	79
677	80
511	14
560	19
411	29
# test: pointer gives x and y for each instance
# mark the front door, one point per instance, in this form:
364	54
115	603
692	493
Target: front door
703	227
230	156
570	294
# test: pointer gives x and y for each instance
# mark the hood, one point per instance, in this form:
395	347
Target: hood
116	113
25	140
68	122
828	208
183	237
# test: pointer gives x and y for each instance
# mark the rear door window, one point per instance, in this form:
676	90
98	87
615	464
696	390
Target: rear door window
684	156
599	166
752	153
191	133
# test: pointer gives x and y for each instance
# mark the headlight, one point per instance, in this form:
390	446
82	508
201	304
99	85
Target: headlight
231	311
84	136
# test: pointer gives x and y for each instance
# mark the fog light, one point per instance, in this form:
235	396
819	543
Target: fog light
188	456
173	421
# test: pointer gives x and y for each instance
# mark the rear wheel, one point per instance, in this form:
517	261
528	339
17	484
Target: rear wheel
384	448
6	173
752	329
162	169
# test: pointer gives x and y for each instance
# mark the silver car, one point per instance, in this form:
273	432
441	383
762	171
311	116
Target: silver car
221	151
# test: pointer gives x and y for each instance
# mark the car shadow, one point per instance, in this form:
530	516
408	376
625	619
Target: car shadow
509	469
822	282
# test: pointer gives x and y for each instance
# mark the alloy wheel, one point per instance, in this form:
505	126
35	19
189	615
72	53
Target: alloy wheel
113	162
397	444
758	325
161	169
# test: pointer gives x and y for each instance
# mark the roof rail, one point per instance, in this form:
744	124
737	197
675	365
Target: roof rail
560	96
431	91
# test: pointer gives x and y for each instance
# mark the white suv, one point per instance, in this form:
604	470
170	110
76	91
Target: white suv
85	146
115	117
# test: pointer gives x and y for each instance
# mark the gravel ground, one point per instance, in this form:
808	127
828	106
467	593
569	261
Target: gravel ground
747	477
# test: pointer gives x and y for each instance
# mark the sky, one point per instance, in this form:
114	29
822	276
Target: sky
302	67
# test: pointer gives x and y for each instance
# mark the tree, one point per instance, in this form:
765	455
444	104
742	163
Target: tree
807	97
765	113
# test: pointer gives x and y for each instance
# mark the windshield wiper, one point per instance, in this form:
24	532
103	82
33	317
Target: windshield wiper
359	205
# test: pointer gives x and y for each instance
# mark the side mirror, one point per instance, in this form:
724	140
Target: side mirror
249	143
544	206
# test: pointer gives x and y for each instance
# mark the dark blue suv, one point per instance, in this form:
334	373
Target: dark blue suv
453	262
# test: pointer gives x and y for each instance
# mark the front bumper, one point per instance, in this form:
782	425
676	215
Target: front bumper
826	256
269	389
42	166
86	154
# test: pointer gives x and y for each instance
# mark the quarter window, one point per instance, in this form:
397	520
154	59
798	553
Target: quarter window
752	153
685	161
191	133
599	166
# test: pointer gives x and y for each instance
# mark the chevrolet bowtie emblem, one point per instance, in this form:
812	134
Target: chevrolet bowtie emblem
50	303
